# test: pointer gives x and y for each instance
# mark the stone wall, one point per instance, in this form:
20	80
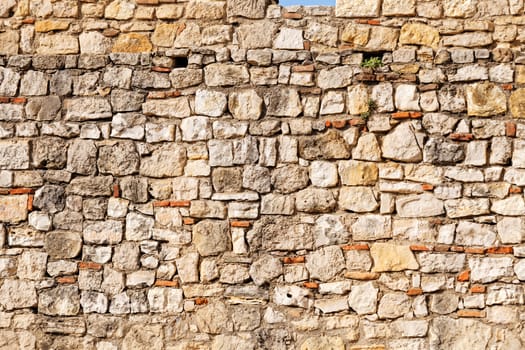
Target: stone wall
212	175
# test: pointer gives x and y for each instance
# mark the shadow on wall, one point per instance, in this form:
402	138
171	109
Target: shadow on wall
307	2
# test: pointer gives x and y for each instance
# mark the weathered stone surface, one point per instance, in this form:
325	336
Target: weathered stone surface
345	8
63	244
50	198
283	103
14	155
168	160
142	336
325	263
372	227
57	44
323	342
402	145
87	108
419	34
517	108
484	270
391	257
17	294
290	178
13	209
470	233
363	298
132	43
458	208
485	99
211	237
334	78
59	301
118	159
210	103
452	333
330	145
315	200
358	199
265	269
419	206
393	305
252	9
174	107
196	129
219	74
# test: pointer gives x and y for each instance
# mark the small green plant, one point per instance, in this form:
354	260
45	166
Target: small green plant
372	62
372	106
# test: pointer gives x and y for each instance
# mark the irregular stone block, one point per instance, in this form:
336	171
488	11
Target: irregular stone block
392	257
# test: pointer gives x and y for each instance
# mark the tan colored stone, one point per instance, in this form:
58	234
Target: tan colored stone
485	100
170	11
249	9
45	26
520	74
517	103
13	209
392	257
132	43
355	34
357	101
164	34
9	42
323	342
419	34
354	173
459	8
58	44
120	9
357	8
204	9
382	39
399	7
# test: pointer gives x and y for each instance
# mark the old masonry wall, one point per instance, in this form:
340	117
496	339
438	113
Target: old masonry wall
236	175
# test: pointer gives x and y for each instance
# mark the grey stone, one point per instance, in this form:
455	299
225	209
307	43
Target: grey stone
211	237
325	263
166	161
81	157
50	198
59	301
63	244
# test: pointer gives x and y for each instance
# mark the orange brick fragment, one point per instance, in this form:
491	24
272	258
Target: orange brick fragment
356	121
427	187
415	115
500	250
356	247
510	129
339	124
116	191
515	189
303	68
240	224
89	265
471	313
4	99
180	203
457	249
471	250
327	124
373	22
160	204
414	291
292	15
507	86
201	301
361	21
188	221
28	20
478	288
420	248
166	283
441	248
30	199
401	115
22	190
66	280
19	100
306	45
161	69
461	136
293	259
311	285
154	95
464	276
174	93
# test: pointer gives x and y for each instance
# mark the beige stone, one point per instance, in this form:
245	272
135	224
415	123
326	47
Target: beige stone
382	39
120	9
164	34
357	101
485	100
9	42
357	8
356	34
204	9
392	257
419	34
131	43
250	9
517	103
355	172
45	26
459	8
399	7
170	11
13	209
58	44
323	342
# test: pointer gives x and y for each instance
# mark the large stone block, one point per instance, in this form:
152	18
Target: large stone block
13	209
360	8
14	155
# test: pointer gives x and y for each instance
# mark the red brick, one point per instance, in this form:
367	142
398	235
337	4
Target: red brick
292	15
19	100
356	247
464	276
155	95
420	248
427	187
472	250
166	283
311	285
28	20
240	224
21	190
173	93
478	288
471	313
457	249
306	45
327	123
339	124
507	86
30	199
161	69
66	280
361	21
356	121
4	99
515	189
500	250
116	191
201	301
180	203
89	265
160	204
461	136
373	22
414	291
293	259
415	115
401	115
188	221
510	129
441	248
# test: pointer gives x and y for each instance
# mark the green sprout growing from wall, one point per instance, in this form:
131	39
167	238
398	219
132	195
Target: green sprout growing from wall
372	62
372	106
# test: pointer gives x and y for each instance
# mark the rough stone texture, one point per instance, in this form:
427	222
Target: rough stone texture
235	175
